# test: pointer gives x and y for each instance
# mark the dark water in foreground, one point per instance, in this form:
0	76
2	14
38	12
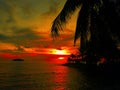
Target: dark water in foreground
49	75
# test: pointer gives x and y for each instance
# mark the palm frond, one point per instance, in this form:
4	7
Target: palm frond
82	23
69	7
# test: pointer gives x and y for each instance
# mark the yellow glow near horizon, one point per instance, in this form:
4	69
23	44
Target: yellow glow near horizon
60	58
60	52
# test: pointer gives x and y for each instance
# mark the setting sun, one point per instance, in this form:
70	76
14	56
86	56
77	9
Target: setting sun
60	52
61	58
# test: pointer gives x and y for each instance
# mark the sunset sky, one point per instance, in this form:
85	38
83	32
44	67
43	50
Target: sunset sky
25	27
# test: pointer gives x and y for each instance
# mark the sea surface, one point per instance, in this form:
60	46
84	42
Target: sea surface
47	73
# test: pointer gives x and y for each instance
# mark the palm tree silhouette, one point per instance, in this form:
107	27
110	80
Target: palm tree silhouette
97	26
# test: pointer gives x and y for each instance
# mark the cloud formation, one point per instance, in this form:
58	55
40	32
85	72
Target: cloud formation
25	26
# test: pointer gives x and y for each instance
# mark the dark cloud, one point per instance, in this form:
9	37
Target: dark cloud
20	36
27	38
24	33
53	7
3	37
18	16
17	9
7	10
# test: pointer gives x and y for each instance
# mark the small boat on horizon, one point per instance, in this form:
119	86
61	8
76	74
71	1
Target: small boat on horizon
18	59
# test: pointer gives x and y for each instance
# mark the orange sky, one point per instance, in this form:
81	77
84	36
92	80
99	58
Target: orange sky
25	27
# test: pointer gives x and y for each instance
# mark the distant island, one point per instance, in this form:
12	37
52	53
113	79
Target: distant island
18	59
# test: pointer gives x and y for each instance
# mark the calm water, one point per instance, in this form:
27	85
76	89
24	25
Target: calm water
47	74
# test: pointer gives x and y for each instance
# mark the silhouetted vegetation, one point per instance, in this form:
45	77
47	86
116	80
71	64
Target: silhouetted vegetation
98	27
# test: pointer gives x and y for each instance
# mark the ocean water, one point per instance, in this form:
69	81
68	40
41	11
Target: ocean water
49	74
